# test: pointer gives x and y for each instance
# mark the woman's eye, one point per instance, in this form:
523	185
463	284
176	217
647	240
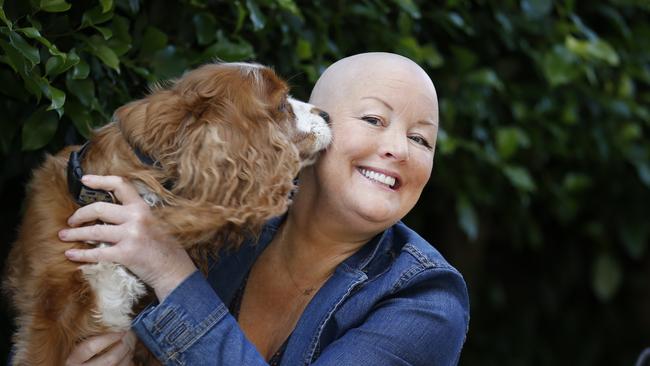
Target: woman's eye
420	140
372	120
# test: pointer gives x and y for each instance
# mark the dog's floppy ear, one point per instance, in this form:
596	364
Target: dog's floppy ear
151	123
234	170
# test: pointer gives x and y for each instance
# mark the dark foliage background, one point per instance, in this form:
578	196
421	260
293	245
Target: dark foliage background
541	186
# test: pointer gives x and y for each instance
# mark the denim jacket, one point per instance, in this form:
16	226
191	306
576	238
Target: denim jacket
396	301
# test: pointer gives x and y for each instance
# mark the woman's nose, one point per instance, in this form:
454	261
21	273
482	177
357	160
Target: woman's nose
395	147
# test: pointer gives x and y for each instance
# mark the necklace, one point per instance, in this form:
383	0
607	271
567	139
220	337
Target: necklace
284	262
302	290
308	291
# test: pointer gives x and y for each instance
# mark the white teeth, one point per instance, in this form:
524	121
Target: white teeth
379	177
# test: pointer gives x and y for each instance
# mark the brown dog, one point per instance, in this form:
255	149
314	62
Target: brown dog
215	154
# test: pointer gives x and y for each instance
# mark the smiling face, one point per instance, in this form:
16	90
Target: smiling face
384	119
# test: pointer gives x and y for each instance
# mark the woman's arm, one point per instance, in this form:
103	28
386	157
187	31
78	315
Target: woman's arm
423	323
139	241
192	326
106	349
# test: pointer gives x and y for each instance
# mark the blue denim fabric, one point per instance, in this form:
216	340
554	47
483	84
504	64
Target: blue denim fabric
394	302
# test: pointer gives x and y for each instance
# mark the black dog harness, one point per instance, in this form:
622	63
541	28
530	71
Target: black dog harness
84	195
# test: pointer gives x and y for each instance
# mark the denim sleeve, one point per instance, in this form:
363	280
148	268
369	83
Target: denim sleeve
424	322
192	326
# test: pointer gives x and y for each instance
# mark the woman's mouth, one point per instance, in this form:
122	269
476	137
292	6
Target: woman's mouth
389	181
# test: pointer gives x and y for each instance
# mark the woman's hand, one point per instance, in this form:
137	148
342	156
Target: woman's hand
139	243
106	349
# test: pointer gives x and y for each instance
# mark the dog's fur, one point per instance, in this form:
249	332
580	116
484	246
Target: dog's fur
226	136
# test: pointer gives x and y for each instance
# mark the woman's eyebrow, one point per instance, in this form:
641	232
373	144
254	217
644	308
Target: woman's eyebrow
427	122
381	100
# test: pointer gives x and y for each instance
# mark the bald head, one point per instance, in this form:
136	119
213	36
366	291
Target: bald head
345	78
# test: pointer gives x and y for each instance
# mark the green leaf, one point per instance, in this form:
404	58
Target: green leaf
53	63
241	16
54	6
59	64
410	8
34	22
509	139
576	182
597	49
635	237
34	33
303	49
536	8
95	16
290	6
255	15
409	47
106	32
643	169
80	117
169	63
464	58
467	218
153	40
104	53
134	6
57	97
520	178
107	5
4	18
12	87
84	90
606	277
36	84
14	59
486	77
560	66
30	53
81	70
229	51
432	56
206	27
120	26
39	129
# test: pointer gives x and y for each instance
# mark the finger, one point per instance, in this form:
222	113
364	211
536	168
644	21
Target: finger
92	346
129	339
91	255
112	357
123	189
100	233
107	212
127	360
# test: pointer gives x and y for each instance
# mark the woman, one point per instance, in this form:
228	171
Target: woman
337	281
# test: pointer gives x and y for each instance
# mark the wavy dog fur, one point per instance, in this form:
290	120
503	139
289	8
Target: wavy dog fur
224	135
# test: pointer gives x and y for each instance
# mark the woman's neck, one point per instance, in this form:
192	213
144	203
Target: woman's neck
311	249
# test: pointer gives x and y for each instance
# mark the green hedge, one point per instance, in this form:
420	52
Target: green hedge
541	185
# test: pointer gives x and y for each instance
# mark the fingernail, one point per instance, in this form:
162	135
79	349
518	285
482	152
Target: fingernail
87	178
63	233
71	253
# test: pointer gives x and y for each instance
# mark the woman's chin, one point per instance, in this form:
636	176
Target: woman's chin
379	215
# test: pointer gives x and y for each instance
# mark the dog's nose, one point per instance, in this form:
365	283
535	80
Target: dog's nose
324	116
